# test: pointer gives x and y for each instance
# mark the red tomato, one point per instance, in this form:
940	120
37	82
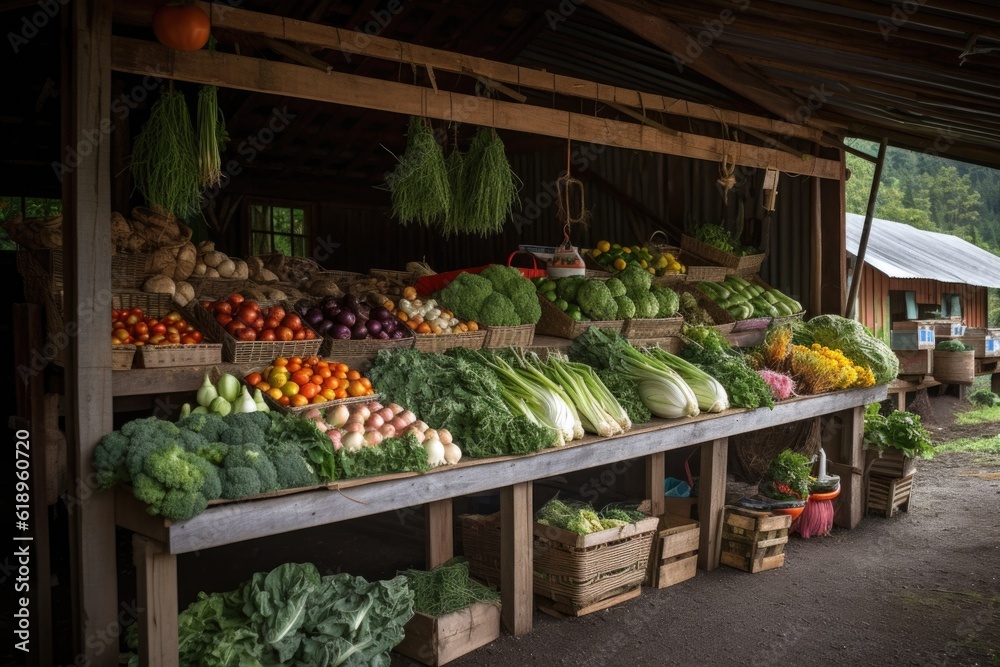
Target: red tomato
272	323
174	338
277	312
159	329
292	321
234	327
300	335
284	333
247	314
207	305
236	298
140	329
223	307
182	27
267	334
246	333
222	319
197	336
308	334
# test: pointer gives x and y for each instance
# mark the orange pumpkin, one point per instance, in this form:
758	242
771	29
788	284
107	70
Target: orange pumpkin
182	27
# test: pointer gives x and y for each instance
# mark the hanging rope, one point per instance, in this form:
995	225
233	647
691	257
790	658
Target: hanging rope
727	168
570	197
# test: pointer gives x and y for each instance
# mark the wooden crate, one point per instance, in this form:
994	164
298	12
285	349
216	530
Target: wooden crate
915	362
983	347
889	495
438	640
754	541
674	554
555	322
743	265
519	336
481	546
954	367
912	339
892	463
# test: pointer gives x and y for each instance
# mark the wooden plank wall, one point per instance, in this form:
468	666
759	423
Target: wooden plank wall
873	298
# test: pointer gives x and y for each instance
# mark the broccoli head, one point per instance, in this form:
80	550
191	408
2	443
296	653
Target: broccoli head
498	311
505	279
616	287
149	491
596	301
527	307
181	506
244	428
150	429
668	300
209	426
191	441
646	305
109	459
636	280
213	452
465	295
568	287
174	467
626	307
292	468
247	471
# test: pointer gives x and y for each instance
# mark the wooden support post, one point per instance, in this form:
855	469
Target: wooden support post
859	265
995	383
816	249
516	575
833	199
28	338
842	440
712	501
440	529
156	585
86	180
901	400
655	477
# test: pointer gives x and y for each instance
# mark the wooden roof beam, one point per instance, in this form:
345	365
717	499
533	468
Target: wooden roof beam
374	46
297	81
643	18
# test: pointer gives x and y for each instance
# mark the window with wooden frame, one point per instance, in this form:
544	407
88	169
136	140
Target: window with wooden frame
951	305
280	228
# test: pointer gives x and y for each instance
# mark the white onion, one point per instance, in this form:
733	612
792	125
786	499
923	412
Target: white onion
372	438
353	442
431	434
420	426
396	408
444	435
435	452
452	454
338	415
363	412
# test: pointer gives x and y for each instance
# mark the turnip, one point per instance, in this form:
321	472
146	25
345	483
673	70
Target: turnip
396	408
353	442
335	439
372	438
444	435
435	452
452	454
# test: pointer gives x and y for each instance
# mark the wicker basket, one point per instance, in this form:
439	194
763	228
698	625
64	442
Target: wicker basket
579	570
955	367
247	352
368	348
481	546
403	277
151	303
752	324
213	289
743	265
472	340
520	336
724	322
661	327
555	322
128	270
299	409
172	356
121	357
787	320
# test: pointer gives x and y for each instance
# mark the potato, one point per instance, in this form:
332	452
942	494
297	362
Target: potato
159	284
226	269
214	258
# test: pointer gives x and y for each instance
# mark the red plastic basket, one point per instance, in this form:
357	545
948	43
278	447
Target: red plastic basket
427	285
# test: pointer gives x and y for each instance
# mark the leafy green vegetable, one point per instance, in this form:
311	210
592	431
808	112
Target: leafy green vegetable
952	346
985	398
626	392
851	338
446	391
787	477
900	430
581	518
419	185
447	588
402	454
275	602
710	351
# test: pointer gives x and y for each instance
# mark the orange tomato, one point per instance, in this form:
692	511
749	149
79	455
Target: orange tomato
301	377
328	394
324	373
254	379
321	364
318	399
343	368
356	388
295	360
316	379
330	383
299	400
280	361
293	367
340	375
263	386
341	393
309	390
275	393
284	400
366	383
312	361
353	375
277	379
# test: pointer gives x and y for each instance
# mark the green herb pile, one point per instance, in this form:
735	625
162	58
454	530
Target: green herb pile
899	430
293	616
626	392
581	518
164	159
711	352
720	238
447	588
984	398
461	396
788	477
419	185
952	346
392	455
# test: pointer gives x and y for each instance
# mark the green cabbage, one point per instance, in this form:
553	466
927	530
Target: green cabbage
854	340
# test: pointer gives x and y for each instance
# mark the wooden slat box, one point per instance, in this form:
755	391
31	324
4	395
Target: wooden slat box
754	541
915	362
674	555
889	495
437	641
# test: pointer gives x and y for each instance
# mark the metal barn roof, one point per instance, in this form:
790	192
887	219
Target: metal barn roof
902	251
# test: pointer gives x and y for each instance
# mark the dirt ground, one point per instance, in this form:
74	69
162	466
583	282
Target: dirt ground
922	588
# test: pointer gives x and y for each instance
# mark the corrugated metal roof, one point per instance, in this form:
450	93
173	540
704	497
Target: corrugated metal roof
902	251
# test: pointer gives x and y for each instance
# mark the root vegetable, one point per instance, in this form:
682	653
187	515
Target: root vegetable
372	438
444	435
452	454
353	442
435	452
396	409
354	427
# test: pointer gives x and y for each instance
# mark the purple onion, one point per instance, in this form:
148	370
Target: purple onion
314	316
323	327
331	310
374	326
359	331
398	333
389	325
350	301
340	332
347	318
382	335
380	313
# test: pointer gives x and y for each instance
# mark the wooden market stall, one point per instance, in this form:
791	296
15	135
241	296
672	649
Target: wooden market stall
759	86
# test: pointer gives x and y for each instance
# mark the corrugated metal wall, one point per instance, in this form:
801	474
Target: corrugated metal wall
668	192
873	298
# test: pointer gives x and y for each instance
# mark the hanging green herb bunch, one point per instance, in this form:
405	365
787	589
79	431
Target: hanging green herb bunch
419	184
489	187
164	159
212	138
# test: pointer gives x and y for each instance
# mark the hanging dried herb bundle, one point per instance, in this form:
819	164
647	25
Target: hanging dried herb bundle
489	189
458	215
212	137
164	161
419	184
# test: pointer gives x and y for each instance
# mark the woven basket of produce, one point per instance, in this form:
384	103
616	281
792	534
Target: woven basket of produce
519	336
554	322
